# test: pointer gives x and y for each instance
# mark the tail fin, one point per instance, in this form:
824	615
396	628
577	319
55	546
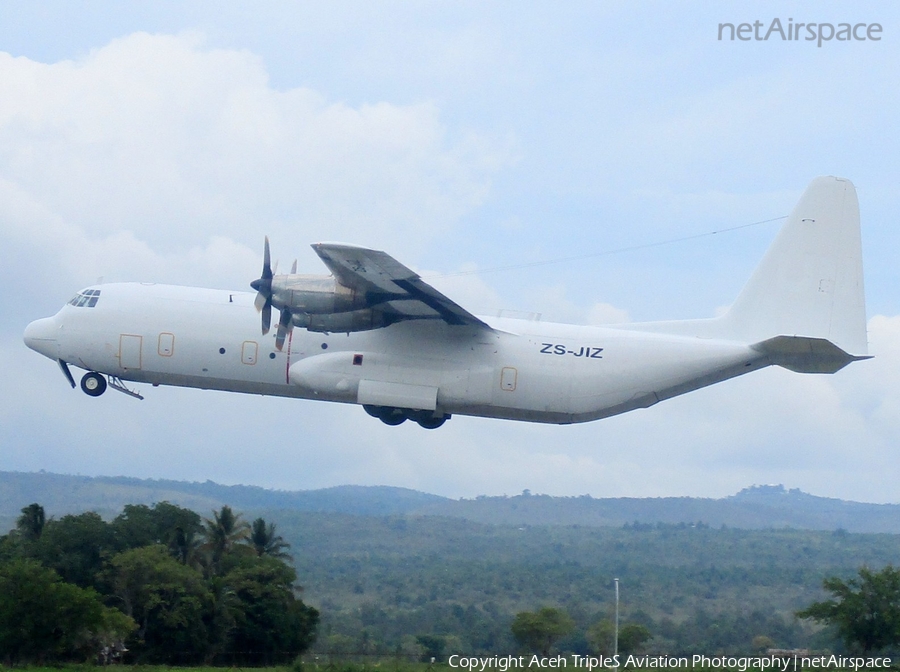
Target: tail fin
810	282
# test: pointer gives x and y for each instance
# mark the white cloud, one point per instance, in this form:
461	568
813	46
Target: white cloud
466	288
605	313
154	152
554	304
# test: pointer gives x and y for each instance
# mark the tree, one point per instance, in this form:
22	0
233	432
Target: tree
222	534
540	630
168	600
865	611
75	546
185	545
163	523
632	637
265	542
270	624
602	637
762	643
43	619
220	617
31	523
432	647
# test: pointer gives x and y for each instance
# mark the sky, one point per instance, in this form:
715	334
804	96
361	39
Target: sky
162	141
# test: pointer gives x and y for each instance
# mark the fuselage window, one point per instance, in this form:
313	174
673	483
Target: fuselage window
86	299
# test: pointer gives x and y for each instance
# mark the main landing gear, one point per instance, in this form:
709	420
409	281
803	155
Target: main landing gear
396	416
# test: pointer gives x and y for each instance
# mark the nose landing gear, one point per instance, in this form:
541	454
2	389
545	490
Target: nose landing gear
93	384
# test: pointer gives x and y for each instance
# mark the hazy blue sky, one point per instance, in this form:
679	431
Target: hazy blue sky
161	142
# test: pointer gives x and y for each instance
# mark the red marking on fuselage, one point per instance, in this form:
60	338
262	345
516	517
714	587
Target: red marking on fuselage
287	366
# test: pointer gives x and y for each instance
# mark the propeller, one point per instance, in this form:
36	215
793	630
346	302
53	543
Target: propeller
285	324
263	300
263	287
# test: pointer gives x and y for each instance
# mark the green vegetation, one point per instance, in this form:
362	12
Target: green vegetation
411	587
380	581
156	581
42	618
539	630
632	637
865	611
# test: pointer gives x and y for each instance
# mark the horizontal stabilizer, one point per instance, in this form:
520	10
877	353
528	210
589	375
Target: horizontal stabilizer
806	355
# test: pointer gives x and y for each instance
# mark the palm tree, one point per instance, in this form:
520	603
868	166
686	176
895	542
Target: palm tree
224	606
265	542
184	546
222	534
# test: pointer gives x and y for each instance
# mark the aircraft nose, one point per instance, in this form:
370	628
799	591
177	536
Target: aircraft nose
40	336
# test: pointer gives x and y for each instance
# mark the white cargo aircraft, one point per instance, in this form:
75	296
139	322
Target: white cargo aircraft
374	333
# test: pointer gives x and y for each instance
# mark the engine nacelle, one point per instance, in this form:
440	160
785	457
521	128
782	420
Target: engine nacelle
356	320
314	294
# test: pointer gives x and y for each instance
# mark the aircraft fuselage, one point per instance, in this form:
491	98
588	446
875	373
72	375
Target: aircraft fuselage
520	369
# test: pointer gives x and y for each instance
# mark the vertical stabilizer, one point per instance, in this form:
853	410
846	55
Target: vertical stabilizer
810	281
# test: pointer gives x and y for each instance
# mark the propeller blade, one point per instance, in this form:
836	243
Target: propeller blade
267	262
260	301
266	317
284	328
263	287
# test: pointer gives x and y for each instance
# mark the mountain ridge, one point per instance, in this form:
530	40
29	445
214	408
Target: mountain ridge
755	507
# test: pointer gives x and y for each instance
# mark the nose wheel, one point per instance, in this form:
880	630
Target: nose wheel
93	384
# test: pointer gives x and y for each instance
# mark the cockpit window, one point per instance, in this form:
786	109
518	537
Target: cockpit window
88	298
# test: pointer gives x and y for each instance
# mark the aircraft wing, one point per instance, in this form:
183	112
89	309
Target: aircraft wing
389	284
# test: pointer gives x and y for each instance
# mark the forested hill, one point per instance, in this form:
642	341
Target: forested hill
60	494
757	507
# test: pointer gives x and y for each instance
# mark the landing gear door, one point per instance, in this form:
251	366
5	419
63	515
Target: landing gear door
130	351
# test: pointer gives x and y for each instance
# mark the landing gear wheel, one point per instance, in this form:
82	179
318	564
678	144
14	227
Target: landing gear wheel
387	414
93	384
393	417
427	419
432	423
